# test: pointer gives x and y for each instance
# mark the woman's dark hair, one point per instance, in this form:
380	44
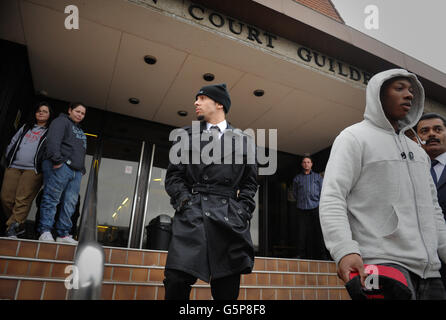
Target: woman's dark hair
32	121
74	105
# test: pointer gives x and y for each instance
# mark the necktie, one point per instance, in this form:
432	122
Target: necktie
213	130
434	175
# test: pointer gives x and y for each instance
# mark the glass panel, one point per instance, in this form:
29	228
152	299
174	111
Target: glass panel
159	201
118	173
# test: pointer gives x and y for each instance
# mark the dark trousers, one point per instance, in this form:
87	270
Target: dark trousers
177	285
310	241
422	289
443	273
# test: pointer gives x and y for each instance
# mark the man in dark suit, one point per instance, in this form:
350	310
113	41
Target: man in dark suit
432	130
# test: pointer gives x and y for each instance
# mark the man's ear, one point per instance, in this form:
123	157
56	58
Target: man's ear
219	106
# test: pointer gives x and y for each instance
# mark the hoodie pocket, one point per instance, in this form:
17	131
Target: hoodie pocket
428	227
391	224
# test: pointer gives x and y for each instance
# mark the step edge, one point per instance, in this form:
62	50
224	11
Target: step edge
135	266
36	259
108	282
163	251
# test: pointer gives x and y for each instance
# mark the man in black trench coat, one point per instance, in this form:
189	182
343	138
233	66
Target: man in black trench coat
213	203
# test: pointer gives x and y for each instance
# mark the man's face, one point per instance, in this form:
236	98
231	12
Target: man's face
205	107
307	164
397	99
433	132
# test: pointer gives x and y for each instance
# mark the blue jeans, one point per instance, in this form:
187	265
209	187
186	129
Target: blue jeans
60	185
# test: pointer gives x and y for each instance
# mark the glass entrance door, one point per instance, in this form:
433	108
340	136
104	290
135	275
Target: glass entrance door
117	183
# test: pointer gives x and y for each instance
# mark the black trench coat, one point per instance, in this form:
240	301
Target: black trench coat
210	232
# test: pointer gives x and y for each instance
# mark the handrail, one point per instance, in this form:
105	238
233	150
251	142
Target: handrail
90	257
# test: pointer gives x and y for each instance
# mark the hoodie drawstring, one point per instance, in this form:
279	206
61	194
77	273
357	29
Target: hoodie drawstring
419	141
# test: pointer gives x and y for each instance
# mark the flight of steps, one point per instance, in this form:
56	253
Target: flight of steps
36	270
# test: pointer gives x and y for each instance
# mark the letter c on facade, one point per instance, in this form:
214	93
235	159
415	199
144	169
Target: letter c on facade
191	11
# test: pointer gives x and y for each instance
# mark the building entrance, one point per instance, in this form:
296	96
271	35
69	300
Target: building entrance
118	180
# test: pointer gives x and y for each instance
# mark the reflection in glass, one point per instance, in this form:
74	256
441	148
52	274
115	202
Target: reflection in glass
116	187
159	201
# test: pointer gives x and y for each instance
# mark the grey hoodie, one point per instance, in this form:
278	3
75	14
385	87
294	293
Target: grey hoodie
378	198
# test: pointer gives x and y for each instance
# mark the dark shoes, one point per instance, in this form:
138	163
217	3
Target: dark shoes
14	230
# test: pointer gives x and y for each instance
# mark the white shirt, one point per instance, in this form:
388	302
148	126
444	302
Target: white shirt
439	167
222	126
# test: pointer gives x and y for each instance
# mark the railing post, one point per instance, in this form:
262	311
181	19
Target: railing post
90	258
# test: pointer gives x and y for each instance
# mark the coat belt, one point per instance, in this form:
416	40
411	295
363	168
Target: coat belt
214	189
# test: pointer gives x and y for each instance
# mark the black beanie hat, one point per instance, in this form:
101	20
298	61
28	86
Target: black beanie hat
218	93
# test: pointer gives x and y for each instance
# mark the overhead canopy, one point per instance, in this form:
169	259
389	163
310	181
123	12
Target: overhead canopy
102	64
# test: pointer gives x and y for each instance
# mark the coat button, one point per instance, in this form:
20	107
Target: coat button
207	214
189	203
239	211
223	201
205	198
226	219
205	177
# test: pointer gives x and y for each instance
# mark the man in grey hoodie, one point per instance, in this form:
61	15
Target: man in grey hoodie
378	201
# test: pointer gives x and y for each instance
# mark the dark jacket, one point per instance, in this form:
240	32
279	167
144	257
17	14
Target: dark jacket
307	190
40	153
441	192
210	232
66	143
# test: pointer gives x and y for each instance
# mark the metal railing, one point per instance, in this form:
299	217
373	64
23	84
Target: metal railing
90	258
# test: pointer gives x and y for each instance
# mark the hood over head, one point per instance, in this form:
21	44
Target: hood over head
374	111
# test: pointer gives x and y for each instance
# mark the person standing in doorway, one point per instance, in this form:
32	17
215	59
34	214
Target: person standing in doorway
432	131
62	172
213	205
307	187
23	176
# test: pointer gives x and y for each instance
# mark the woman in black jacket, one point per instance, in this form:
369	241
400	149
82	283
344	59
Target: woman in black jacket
23	178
